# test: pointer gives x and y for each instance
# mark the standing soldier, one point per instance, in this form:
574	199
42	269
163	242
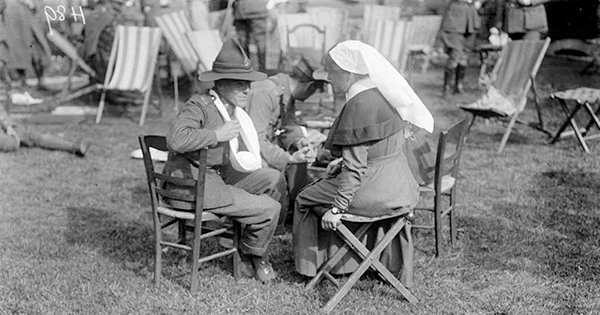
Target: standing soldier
251	25
522	19
458	33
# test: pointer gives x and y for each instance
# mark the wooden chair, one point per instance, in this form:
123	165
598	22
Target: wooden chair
370	258
174	26
299	36
511	79
390	38
131	64
584	98
334	20
443	182
165	216
68	93
424	29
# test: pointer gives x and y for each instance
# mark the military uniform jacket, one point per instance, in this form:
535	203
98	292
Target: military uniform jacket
192	130
514	18
461	17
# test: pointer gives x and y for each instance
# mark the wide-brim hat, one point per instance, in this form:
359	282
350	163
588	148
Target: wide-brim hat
232	63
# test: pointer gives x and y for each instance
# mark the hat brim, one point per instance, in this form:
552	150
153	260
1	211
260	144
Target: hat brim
242	76
320	74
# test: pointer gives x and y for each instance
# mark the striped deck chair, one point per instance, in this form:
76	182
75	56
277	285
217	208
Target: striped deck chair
422	37
70	51
334	20
174	26
200	16
206	44
374	13
511	79
132	63
389	38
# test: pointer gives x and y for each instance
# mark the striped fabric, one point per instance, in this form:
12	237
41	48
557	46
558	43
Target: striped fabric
520	60
424	31
333	20
174	26
133	58
206	44
389	37
374	13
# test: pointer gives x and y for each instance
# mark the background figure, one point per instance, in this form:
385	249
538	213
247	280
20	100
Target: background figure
522	19
458	34
28	49
251	25
283	144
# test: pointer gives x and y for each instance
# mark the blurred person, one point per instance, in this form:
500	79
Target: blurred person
371	176
458	33
283	142
251	25
236	184
521	19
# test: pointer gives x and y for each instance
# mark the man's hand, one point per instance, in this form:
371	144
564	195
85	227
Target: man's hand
305	154
334	166
330	221
11	132
228	131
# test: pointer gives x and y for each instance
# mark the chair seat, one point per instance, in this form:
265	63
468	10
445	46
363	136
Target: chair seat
186	215
581	95
363	219
447	184
420	48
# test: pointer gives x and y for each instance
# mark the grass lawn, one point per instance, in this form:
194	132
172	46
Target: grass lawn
76	234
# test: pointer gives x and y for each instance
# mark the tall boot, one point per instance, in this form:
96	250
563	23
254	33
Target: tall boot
460	76
47	141
448	77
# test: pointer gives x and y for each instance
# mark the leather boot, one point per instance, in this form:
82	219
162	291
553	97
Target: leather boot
460	76
448	77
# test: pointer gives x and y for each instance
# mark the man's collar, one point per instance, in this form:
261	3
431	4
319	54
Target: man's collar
359	86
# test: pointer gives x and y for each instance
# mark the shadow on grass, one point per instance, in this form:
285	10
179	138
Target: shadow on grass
557	236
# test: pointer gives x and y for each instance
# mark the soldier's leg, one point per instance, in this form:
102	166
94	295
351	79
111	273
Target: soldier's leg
259	32
48	141
242	29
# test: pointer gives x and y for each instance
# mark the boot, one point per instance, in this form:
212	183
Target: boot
263	269
460	76
448	76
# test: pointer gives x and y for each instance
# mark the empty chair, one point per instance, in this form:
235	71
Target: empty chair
128	68
424	30
334	20
374	13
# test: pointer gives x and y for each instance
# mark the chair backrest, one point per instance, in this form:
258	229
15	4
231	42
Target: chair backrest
206	44
157	179
374	13
174	26
424	30
449	150
69	50
334	20
303	37
518	64
132	58
390	37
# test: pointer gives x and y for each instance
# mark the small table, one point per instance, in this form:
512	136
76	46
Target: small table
584	98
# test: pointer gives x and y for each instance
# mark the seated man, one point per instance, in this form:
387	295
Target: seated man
236	185
283	145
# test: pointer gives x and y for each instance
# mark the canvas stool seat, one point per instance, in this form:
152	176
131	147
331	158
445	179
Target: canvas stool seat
584	98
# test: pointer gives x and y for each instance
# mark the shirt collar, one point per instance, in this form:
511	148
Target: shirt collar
359	86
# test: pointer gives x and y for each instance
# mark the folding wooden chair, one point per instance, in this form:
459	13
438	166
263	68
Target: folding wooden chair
334	20
424	30
370	258
583	98
131	64
512	77
174	26
300	35
390	38
374	13
443	181
70	51
206	45
164	215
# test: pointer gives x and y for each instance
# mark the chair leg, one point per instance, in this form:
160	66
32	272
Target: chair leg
196	255
145	106
425	64
157	252
176	93
100	107
452	215
593	119
237	230
511	124
437	223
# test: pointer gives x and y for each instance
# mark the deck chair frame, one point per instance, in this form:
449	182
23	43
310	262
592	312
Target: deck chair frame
529	85
117	55
576	131
370	258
